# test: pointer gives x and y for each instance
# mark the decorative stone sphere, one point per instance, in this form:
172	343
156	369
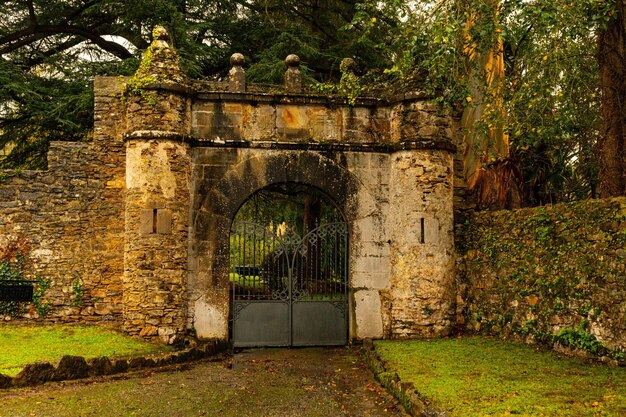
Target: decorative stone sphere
237	59
292	60
161	34
348	64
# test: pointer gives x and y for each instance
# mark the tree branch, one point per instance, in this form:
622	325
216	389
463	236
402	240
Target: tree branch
31	13
31	34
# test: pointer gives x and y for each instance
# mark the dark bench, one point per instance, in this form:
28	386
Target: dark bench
247	270
16	290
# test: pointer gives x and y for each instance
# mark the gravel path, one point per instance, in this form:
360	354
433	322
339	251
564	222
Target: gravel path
261	382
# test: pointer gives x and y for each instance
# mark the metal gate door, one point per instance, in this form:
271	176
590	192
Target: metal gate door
289	290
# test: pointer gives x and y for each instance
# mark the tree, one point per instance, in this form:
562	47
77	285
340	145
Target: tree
547	100
52	49
612	65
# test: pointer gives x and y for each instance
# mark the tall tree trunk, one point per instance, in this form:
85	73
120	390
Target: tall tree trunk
489	171
612	63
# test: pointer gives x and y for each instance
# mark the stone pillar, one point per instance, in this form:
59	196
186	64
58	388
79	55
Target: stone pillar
293	77
237	75
421	295
158	170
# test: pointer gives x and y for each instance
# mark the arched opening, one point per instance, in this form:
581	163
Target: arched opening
289	269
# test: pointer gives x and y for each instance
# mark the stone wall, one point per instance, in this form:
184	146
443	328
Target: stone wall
72	217
421	297
555	274
141	216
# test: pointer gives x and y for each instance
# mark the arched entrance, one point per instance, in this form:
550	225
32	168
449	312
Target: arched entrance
289	269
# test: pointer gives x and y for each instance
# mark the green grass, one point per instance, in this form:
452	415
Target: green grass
26	344
247	281
483	377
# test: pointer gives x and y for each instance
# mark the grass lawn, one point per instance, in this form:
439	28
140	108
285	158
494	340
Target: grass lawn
20	344
483	377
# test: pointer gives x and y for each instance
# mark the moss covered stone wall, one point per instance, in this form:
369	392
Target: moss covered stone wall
554	274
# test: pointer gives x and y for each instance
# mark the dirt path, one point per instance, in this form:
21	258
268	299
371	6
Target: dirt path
265	382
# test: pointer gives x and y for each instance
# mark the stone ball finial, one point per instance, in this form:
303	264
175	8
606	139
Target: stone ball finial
292	61
160	34
348	64
237	59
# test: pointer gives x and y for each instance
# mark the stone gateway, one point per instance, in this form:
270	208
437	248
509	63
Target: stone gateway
142	215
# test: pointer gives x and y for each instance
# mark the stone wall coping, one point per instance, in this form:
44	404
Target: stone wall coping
276	95
77	367
157	134
413	144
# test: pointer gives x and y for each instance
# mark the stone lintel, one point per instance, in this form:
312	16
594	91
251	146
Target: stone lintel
414	144
156	134
170	87
259	94
286	98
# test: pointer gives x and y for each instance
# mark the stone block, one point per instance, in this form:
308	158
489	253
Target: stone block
34	373
368	314
292	122
99	366
431	231
5	381
370	280
164	221
146	221
71	367
209	321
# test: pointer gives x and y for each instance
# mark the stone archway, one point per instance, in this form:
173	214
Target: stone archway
245	172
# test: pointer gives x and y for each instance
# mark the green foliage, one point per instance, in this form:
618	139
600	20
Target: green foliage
51	53
550	88
484	377
42	306
14	265
548	265
13	260
78	292
350	84
579	338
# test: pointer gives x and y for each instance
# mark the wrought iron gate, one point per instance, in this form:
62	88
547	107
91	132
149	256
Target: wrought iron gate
289	290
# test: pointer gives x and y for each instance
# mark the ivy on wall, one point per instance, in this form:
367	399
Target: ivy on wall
555	274
15	263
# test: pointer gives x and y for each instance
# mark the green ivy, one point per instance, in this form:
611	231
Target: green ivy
42	306
14	259
545	267
78	290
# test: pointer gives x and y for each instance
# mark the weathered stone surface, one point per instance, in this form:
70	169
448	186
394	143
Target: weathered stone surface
34	374
142	214
71	367
141	362
5	381
119	366
553	274
100	366
237	75
369	323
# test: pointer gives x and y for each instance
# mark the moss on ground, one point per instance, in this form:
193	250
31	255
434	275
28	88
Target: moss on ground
485	377
23	344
